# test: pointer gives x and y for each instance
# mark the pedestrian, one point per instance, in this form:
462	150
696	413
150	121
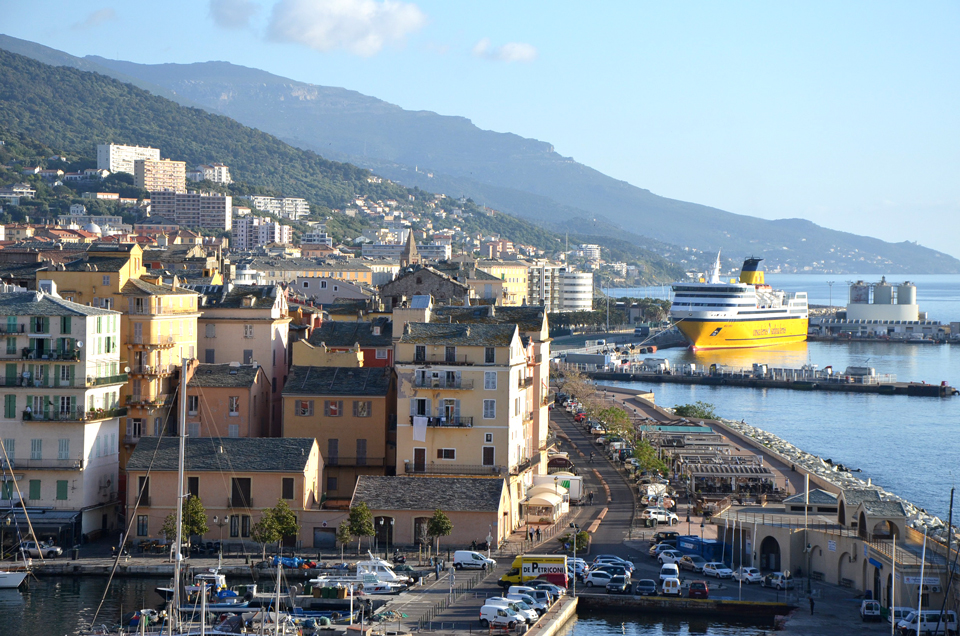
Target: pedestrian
811	605
538	534
530	534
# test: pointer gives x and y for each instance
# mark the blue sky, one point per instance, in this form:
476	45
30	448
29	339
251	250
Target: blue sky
842	113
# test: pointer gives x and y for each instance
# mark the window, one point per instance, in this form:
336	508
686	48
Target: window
331	483
9	406
6	492
63	449
361	452
333	408
489	409
381	354
488	438
490	380
36	448
193	429
304	408
209	356
245	526
143	525
234	526
450	354
211	330
489	454
193	403
65	325
11	345
446	453
62	486
489	355
157	427
362	408
333	451
106	279
34	489
233	430
193	486
420	406
248	331
420	353
143	488
287	488
234	405
247	356
323	284
274	385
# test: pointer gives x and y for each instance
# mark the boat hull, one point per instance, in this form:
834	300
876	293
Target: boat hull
741	334
11	580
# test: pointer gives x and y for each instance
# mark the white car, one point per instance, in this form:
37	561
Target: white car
47	551
669	571
778	580
613	560
598	578
670	556
717	569
662	515
748	575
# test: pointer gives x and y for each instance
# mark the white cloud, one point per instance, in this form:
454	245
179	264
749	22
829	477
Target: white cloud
361	27
233	14
96	18
509	52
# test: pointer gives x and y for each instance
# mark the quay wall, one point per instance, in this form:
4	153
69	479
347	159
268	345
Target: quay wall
685	606
556	618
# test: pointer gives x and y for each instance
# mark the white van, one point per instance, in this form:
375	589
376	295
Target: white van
470	560
498	617
526	612
671	587
541	596
669	571
931	622
539	606
897	614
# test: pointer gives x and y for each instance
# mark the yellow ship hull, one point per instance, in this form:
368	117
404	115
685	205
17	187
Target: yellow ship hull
738	334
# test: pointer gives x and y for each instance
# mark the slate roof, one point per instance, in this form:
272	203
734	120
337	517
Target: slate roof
884	509
450	494
346	334
469	272
817	497
374	381
527	318
137	287
224	375
454	334
33	303
232	296
240	454
97	264
853	496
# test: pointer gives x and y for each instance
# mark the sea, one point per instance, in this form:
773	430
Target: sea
908	445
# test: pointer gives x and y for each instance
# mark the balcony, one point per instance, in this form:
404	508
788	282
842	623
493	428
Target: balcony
152	341
535	359
525	465
159	311
524	383
43	464
334	462
120	378
443	383
164	399
448	422
75	414
528	416
7	329
239	502
153	370
26	353
451	469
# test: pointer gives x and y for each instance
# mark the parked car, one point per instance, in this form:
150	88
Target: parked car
896	614
670	556
470	560
597	577
655	550
618	585
612	558
692	562
670	586
646	587
665	535
538	606
930	622
870	611
748	575
698	589
47	551
661	515
524	611
498	617
717	569
670	570
778	580
555	590
614	569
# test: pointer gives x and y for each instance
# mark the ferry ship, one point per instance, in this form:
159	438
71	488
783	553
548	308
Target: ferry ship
745	313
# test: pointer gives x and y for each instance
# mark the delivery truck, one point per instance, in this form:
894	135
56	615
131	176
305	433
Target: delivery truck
526	567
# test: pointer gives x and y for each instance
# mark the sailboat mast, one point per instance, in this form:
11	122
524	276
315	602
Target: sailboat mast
182	433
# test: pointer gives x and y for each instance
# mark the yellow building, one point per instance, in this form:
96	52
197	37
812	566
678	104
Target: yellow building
163	174
514	275
285	270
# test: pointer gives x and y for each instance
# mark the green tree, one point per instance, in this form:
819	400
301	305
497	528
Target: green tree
439	526
265	531
343	536
361	523
583	540
703	410
194	521
616	420
647	459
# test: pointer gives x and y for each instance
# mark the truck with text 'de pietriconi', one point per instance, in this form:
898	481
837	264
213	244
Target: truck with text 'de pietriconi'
546	567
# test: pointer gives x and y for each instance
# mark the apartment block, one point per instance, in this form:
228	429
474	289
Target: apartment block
119	158
60	423
160	174
194	209
227	400
285	207
215	172
576	290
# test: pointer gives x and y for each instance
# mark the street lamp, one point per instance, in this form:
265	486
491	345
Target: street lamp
701	538
217	521
376	540
576	535
389	536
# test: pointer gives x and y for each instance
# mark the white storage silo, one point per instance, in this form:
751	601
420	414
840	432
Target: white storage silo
907	294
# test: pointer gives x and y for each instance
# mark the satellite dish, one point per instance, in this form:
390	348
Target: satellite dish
79	344
26	374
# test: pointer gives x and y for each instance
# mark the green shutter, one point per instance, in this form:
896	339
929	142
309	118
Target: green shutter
73	373
49	380
7	490
61	489
11	345
66	327
11	374
46	324
34	489
10	406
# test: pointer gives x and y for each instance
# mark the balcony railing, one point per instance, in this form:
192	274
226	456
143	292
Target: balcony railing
525	464
43	464
120	378
240	502
333	462
12	330
443	383
525	382
153	370
152	340
451	469
26	353
447	422
159	311
75	414
528	416
164	399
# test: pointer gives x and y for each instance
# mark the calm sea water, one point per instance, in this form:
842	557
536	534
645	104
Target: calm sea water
594	624
908	445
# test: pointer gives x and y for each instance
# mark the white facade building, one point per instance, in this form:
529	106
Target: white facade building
590	251
251	231
194	209
544	282
576	290
117	158
316	238
215	172
284	207
430	252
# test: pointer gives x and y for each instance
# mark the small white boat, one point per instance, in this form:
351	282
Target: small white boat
10	580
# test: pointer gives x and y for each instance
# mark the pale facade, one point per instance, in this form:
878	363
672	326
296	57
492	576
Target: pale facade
227	400
119	158
160	174
514	275
194	209
576	290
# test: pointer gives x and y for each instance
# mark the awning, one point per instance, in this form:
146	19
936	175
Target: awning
45	519
728	470
546	500
557	490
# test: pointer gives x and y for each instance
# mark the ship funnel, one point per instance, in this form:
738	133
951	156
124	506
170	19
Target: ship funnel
750	273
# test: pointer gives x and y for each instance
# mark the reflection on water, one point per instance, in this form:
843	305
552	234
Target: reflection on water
592	623
793	355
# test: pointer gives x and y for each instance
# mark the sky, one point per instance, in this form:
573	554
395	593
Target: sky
843	113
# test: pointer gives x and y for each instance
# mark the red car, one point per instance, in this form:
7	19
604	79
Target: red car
698	589
579	417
